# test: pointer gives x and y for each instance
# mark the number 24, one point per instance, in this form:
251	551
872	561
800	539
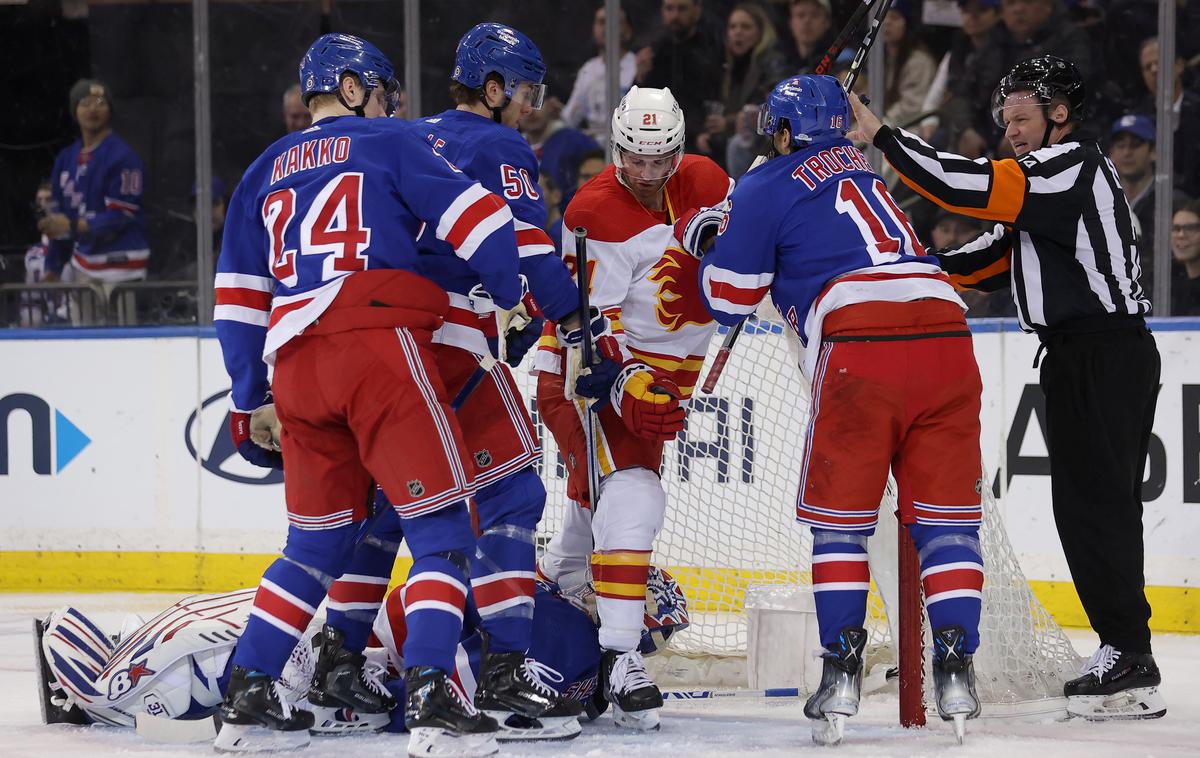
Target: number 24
333	224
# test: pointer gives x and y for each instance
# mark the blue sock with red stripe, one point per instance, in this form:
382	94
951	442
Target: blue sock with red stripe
287	598
356	597
951	576
841	579
504	564
436	590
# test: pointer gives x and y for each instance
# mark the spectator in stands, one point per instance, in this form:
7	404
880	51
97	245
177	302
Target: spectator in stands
295	116
1128	23
587	108
1185	271
910	67
978	19
1132	153
951	230
99	225
687	59
1029	28
753	65
556	145
811	25
586	167
1186	109
38	308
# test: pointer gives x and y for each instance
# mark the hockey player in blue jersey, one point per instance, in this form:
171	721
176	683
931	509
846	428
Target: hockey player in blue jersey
894	381
175	667
319	274
497	81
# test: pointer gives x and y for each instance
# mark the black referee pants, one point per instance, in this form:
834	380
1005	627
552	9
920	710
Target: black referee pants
1101	389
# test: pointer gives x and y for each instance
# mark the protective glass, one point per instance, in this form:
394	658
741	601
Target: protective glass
531	94
391	96
1000	96
647	168
766	124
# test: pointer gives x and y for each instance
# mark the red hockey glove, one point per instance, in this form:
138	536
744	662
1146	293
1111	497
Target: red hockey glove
648	402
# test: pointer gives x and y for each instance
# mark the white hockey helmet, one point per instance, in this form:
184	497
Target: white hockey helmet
647	126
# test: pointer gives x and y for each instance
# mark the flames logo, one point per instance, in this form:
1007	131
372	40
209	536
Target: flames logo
679	302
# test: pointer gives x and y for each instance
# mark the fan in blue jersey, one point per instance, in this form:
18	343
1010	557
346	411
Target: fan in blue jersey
97	225
894	380
319	274
497	81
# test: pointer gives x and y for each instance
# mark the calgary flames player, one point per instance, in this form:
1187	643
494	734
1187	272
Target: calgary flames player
649	290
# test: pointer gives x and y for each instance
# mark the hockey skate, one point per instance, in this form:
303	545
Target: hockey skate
256	716
954	679
347	693
513	690
635	698
836	698
442	721
1116	685
57	708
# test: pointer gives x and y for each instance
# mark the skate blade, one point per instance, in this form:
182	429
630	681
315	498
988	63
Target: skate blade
829	731
175	731
642	721
515	727
253	738
960	726
432	742
1127	705
338	721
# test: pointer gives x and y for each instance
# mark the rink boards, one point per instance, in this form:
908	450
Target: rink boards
116	471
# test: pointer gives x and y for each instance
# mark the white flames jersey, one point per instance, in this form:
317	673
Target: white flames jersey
639	277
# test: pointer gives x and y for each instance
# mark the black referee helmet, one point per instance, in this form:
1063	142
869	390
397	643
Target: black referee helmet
1046	77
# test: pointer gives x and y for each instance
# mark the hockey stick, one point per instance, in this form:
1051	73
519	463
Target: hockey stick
824	65
587	350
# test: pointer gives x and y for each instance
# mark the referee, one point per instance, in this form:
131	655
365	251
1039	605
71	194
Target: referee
1065	238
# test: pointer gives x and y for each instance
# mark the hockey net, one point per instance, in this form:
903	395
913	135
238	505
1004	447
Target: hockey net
731	486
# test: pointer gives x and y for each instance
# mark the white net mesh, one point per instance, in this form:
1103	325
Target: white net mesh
731	487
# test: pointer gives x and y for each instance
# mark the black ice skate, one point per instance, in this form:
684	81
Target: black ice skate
345	679
56	707
635	698
1116	685
954	679
442	721
836	699
513	690
256	716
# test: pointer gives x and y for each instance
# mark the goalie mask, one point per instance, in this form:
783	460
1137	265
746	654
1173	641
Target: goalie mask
666	611
647	136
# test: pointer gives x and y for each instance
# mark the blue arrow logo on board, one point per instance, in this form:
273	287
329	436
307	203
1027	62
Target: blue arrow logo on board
69	440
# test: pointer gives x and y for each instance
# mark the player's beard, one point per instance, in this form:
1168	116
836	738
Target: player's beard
643	190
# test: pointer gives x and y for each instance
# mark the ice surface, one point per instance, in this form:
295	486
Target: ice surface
743	728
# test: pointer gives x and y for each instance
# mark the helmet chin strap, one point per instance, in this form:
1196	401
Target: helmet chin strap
358	110
496	110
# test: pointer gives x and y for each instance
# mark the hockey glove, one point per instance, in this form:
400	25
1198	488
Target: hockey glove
522	328
573	337
256	435
597	383
648	402
696	228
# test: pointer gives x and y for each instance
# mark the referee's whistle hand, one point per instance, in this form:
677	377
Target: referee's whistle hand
866	123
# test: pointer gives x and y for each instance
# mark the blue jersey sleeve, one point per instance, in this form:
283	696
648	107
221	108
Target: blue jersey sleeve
475	222
122	195
739	268
244	287
509	169
59	250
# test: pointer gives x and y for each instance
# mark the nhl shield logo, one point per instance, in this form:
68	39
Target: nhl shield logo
979	486
483	458
415	488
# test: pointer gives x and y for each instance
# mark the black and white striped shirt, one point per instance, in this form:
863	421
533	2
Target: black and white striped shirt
1065	232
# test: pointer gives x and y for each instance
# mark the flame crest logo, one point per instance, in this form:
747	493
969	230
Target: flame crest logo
679	302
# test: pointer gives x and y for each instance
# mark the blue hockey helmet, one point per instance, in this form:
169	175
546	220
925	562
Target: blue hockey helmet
334	55
815	106
491	48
